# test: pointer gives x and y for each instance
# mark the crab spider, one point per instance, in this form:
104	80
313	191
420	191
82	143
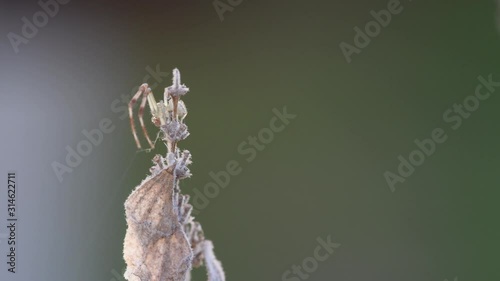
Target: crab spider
164	112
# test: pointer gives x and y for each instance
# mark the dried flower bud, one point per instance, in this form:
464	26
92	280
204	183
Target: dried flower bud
177	90
175	131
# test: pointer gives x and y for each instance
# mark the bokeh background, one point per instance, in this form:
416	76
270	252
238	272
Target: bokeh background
323	175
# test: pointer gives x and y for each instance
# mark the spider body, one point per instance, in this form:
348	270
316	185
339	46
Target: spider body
170	109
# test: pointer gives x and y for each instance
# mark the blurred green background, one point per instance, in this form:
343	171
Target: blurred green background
323	175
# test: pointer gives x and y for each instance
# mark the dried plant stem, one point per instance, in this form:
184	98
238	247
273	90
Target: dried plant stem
163	242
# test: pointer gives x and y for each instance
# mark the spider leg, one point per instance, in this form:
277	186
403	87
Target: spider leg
131	104
145	98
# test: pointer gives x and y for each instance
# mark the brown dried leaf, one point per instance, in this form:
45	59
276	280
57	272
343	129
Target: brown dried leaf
156	247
